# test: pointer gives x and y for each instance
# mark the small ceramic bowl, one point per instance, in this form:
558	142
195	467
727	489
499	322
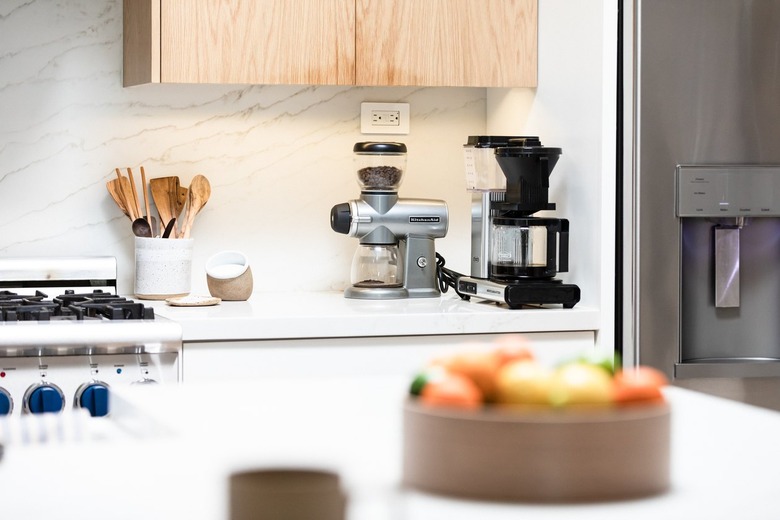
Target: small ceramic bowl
229	276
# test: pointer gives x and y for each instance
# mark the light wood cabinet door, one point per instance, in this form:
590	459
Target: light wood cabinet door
239	41
461	43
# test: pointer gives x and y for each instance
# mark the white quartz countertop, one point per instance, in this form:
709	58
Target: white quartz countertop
329	314
725	457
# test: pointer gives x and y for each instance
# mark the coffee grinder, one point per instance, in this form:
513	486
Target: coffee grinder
396	256
514	255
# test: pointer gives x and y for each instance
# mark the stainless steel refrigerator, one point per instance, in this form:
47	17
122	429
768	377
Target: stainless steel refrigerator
699	193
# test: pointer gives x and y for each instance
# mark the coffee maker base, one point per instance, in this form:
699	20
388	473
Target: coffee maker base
517	294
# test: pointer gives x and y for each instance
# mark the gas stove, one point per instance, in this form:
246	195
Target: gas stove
69	349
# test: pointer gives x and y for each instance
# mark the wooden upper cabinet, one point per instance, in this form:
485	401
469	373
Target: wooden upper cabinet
461	43
239	41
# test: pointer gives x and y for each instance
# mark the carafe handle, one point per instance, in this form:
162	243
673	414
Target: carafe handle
563	246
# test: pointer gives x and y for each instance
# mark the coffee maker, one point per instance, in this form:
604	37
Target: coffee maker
515	256
396	256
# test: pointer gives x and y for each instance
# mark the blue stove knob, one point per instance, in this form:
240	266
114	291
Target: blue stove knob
44	398
6	402
94	397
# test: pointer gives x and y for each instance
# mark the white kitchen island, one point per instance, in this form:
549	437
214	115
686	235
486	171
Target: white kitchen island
168	451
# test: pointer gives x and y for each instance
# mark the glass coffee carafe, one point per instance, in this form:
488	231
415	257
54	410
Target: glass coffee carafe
528	248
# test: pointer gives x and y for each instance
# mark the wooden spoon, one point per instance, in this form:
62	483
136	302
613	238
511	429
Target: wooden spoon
142	228
200	191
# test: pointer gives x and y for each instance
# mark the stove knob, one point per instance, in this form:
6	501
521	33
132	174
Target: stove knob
94	397
6	402
43	398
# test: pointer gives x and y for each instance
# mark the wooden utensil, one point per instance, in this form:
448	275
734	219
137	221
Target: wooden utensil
115	190
161	195
200	191
127	197
181	198
134	193
146	200
142	228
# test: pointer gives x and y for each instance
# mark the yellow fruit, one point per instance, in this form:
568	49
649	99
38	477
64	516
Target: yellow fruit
524	382
580	383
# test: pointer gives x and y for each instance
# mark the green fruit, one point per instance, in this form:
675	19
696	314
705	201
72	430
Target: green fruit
429	374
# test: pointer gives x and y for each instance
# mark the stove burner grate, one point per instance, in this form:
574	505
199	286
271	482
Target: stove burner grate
97	305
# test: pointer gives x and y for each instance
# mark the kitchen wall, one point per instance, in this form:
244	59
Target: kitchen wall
278	157
574	107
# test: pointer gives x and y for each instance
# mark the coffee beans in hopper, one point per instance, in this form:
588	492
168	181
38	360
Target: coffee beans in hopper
380	176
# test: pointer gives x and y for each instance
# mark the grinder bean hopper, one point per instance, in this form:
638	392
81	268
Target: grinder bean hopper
396	256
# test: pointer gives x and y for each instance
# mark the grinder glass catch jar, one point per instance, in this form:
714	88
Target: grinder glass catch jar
380	168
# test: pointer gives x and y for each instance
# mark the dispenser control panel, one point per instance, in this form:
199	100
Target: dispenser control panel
728	191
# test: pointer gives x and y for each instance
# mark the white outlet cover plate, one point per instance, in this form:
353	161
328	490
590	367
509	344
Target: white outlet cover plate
366	126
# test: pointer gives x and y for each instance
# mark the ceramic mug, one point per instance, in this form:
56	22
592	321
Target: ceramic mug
286	494
229	276
163	267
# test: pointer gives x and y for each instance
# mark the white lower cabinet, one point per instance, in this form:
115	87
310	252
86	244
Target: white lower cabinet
352	357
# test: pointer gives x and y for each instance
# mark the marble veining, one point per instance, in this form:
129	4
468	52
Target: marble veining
278	157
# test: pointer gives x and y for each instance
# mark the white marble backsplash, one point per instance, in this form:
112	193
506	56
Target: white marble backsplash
278	157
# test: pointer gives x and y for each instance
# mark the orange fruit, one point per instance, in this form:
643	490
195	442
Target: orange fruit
642	383
512	347
479	366
451	390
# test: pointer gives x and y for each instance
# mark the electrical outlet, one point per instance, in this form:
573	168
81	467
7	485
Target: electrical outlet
384	118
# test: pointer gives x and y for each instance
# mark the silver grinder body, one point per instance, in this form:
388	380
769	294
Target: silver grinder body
382	218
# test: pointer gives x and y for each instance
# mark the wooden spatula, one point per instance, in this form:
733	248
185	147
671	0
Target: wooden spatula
162	200
115	191
181	198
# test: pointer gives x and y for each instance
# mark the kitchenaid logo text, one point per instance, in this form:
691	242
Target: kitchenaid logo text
417	220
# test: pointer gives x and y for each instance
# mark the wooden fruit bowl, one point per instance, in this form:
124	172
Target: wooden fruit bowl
537	455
